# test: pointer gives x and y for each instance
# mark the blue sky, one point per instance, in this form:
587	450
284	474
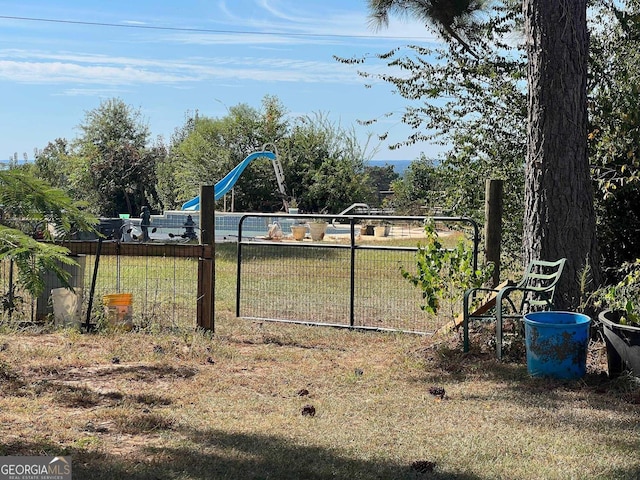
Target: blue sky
53	72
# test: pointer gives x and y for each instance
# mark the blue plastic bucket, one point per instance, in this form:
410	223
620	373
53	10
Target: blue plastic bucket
557	344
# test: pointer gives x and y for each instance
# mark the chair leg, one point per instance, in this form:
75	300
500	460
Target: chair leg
465	323
465	330
499	331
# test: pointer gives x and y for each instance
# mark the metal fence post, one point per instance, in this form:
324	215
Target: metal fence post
352	293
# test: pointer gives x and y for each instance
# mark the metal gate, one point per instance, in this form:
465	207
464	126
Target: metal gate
351	278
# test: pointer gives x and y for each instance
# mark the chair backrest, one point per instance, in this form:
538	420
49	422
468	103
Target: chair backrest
540	280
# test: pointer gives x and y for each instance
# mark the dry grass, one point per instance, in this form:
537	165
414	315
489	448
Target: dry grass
192	406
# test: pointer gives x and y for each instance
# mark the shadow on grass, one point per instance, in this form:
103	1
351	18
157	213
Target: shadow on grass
222	455
446	363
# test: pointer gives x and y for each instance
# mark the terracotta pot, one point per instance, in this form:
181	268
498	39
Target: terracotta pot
317	230
381	230
299	232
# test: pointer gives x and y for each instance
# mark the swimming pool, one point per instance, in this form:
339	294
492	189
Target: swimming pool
170	226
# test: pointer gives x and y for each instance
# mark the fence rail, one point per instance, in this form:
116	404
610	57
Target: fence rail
348	279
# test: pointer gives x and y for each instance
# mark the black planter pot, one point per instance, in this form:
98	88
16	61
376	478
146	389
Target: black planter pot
623	344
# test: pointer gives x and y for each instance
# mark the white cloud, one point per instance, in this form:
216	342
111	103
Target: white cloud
91	92
30	67
287	22
59	72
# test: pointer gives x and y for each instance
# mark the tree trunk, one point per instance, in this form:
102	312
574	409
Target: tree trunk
559	216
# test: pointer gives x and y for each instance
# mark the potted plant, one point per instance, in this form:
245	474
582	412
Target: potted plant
317	229
298	231
293	207
382	229
366	228
621	321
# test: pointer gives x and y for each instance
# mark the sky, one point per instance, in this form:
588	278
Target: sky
59	60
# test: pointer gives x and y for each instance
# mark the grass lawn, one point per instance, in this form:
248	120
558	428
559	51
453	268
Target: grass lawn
238	405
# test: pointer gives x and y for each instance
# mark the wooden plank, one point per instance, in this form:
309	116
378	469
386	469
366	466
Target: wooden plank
487	304
113	247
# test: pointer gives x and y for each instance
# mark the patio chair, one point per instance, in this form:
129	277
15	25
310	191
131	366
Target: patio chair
537	288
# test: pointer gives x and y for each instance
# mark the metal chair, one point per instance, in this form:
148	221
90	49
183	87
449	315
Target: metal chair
537	287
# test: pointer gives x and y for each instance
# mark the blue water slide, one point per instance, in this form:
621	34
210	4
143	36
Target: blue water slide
229	180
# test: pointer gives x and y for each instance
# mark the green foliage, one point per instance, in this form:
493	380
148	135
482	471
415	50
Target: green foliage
112	166
323	164
451	18
380	179
28	202
33	259
205	149
168	168
51	163
624	296
614	138
29	205
419	187
444	274
478	106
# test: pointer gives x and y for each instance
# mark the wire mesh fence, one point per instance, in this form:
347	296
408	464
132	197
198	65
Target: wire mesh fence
314	284
17	304
163	290
353	281
349	278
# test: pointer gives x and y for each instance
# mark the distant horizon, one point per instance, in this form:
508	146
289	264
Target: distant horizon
399	166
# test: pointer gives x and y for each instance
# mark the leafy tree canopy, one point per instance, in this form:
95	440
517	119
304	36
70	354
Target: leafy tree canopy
29	206
113	166
614	131
323	163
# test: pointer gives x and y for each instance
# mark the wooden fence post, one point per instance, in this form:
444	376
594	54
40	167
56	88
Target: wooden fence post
493	226
206	264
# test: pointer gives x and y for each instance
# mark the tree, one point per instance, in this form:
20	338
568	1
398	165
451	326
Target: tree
113	166
559	216
168	169
323	163
418	188
614	131
448	17
205	149
478	107
28	206
51	163
381	179
559	219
